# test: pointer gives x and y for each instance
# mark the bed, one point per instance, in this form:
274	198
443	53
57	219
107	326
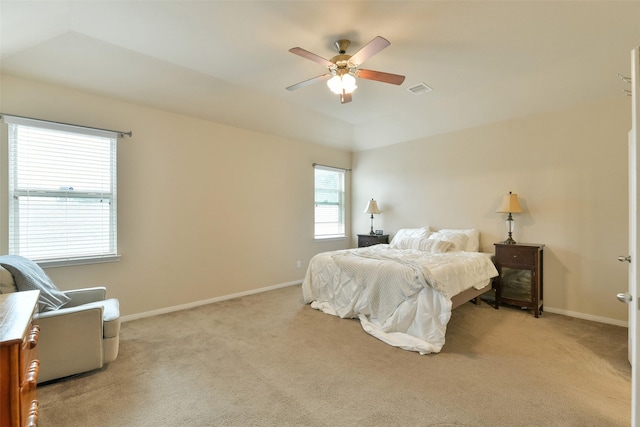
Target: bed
403	293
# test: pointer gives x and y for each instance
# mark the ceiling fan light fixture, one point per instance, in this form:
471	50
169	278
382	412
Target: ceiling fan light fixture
342	69
342	84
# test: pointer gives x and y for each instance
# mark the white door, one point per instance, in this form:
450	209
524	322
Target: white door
632	297
633	209
634	242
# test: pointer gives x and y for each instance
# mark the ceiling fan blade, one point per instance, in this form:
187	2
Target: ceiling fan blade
345	97
368	50
311	56
394	79
308	82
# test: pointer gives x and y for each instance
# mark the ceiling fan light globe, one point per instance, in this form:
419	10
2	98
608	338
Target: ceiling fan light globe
349	83
335	84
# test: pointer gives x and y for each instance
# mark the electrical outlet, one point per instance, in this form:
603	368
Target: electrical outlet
298	264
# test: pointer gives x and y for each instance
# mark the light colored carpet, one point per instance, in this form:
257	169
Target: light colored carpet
269	360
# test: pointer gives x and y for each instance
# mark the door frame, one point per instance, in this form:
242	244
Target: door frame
634	238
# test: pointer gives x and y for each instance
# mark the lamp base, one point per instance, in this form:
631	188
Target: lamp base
509	240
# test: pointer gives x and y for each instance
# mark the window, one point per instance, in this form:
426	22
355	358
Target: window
329	202
62	192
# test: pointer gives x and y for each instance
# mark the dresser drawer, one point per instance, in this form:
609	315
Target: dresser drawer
30	367
29	348
29	395
521	256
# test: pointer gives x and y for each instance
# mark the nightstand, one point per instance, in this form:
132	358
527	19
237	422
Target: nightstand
520	275
365	240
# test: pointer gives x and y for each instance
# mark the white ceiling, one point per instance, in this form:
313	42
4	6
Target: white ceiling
228	61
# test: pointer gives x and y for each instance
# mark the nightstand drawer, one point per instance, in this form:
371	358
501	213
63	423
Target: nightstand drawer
517	255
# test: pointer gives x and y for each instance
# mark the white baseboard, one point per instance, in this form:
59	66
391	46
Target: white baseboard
165	310
204	302
599	319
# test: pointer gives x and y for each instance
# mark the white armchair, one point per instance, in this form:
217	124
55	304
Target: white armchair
81	336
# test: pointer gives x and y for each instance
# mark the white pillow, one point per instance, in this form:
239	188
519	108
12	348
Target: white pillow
473	244
458	238
434	246
7	284
404	238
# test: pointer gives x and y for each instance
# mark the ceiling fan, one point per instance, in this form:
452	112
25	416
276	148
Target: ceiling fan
342	68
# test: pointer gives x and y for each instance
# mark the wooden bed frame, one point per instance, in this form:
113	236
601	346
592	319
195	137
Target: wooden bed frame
473	294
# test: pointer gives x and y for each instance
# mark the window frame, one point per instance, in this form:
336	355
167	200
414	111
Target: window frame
342	203
108	241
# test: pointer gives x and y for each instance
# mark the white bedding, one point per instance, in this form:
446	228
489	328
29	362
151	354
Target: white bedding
401	296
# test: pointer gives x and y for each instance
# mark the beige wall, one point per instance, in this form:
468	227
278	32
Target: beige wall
204	210
569	169
207	210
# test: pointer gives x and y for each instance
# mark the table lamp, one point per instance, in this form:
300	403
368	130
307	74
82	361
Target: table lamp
510	205
372	208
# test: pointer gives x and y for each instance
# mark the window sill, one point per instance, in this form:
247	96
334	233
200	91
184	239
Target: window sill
78	261
329	239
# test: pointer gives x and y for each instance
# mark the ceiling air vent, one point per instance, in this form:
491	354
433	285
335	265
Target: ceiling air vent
419	89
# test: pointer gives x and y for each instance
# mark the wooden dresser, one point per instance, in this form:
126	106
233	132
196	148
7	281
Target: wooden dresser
19	363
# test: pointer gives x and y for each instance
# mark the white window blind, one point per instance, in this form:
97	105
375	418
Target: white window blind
62	191
329	202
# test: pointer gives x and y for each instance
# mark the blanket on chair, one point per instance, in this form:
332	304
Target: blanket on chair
29	276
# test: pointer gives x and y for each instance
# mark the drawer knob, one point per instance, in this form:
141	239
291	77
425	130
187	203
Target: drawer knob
32	341
32	420
31	376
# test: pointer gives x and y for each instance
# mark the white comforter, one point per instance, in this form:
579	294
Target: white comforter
401	296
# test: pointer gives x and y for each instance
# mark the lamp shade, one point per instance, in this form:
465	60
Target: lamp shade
372	207
510	204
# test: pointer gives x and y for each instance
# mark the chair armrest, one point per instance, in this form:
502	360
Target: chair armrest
70	341
69	312
85	295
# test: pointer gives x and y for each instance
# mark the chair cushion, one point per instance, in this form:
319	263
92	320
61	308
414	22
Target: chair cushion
7	284
110	316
